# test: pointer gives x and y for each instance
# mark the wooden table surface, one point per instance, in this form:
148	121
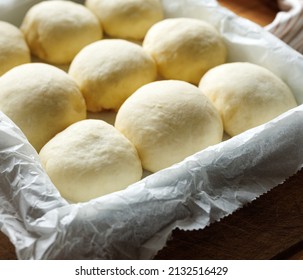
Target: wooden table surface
271	227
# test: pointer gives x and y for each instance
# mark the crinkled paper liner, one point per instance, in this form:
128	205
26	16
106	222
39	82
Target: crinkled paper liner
135	223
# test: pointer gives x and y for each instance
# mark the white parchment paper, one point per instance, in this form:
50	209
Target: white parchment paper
135	223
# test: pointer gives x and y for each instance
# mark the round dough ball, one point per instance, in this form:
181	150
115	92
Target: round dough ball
13	48
109	71
41	99
57	30
126	19
184	49
168	121
89	159
246	95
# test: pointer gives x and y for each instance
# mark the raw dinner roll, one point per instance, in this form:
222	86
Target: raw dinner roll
13	48
126	19
41	99
246	95
57	30
109	71
168	121
89	159
184	48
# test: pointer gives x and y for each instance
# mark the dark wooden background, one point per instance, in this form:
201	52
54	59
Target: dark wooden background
271	227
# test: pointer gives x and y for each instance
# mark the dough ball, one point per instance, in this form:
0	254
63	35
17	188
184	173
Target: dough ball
168	121
246	95
89	159
184	49
57	30
41	99
126	19
109	71
13	48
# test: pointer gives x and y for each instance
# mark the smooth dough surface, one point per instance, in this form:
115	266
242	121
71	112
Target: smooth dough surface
126	19
184	49
109	71
246	95
168	121
57	30
41	99
89	159
13	48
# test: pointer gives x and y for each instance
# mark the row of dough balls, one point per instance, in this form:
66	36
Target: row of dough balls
106	71
109	71
170	120
163	121
159	125
46	97
84	158
57	30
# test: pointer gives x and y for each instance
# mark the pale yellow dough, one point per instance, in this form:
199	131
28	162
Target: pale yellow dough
246	95
41	99
126	19
89	159
13	48
109	71
57	30
168	121
184	49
